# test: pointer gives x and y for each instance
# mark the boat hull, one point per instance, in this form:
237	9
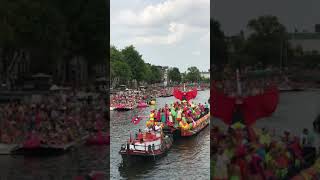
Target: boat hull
137	155
123	109
48	150
199	128
178	133
40	151
5	149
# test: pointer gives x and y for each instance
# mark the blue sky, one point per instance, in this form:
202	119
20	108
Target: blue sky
174	33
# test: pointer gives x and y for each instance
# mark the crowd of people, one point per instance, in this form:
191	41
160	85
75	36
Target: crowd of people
245	153
56	119
131	98
178	114
248	86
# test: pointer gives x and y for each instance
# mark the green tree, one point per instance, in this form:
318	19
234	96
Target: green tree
193	74
122	71
267	41
156	74
136	63
218	45
174	75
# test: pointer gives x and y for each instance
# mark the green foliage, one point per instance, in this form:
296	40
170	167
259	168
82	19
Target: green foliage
267	40
193	74
122	71
218	44
128	64
153	74
135	61
54	30
174	75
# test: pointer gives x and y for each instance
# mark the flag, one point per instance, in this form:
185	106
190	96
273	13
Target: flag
136	120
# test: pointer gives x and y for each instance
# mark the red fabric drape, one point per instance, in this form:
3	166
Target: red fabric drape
191	94
252	108
259	106
222	106
188	95
177	93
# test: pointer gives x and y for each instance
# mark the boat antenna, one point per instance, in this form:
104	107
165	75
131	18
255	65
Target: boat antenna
238	83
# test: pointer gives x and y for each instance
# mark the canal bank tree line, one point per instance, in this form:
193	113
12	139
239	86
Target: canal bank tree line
265	43
65	39
129	68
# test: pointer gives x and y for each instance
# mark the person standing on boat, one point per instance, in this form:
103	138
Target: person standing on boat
206	108
163	117
221	166
307	142
32	118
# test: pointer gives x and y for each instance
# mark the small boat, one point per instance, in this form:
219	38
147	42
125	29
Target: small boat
35	149
98	139
142	105
150	145
122	107
153	102
5	149
166	95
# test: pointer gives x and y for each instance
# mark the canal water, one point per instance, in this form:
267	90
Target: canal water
80	161
187	159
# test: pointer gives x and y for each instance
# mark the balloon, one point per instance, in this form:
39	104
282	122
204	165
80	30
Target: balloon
186	127
180	124
191	125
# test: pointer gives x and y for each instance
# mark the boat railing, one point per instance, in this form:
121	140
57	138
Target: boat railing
147	148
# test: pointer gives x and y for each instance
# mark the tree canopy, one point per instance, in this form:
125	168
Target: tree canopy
174	75
49	31
193	74
267	39
218	44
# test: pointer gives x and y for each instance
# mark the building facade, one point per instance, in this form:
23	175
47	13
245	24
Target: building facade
309	42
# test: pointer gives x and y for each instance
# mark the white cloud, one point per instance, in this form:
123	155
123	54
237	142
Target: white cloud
175	17
169	10
175	33
169	32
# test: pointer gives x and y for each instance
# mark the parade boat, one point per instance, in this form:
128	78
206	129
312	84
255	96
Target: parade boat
122	107
5	149
147	145
186	130
33	147
165	95
199	126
